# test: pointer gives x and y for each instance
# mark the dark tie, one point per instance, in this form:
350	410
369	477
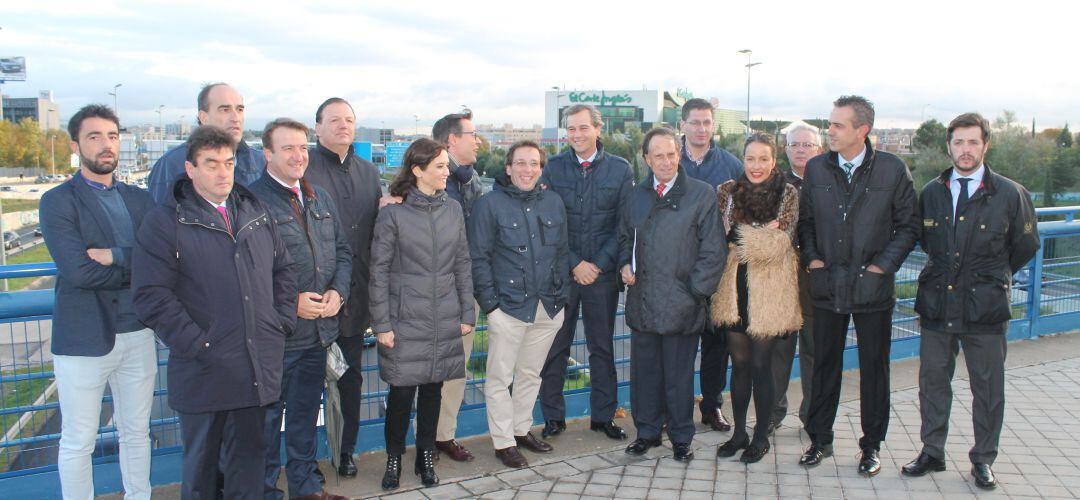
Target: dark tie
849	168
963	199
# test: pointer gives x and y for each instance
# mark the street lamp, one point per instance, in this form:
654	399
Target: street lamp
749	65
161	129
116	108
416	126
558	143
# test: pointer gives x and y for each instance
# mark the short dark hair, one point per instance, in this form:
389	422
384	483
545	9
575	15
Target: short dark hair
695	103
762	138
525	144
449	124
864	109
268	131
332	100
655	131
90	111
969	120
419	154
208	137
203	101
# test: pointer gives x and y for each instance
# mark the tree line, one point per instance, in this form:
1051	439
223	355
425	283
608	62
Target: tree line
24	144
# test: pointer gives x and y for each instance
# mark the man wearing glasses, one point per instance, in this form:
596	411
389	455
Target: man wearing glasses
702	160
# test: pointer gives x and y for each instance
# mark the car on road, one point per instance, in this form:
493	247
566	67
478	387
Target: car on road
6	188
37	231
11	240
41	179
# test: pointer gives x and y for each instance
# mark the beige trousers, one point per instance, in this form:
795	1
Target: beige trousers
516	354
453	391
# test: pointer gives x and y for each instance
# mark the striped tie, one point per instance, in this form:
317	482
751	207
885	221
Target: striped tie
849	169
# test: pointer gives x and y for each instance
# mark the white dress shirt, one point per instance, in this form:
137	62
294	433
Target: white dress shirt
976	182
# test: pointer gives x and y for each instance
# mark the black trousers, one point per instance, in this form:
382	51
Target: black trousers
351	386
662	385
399	404
235	437
597	303
783	358
714	368
873	333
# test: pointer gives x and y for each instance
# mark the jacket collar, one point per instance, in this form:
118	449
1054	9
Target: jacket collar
833	158
189	205
704	159
418	199
332	156
277	187
674	192
989	180
596	159
503	184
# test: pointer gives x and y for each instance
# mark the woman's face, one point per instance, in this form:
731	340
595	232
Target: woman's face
758	162
433	176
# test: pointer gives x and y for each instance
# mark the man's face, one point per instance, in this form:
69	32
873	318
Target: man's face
98	145
524	169
212	173
581	132
288	158
843	135
463	146
698	127
225	109
967	149
663	158
803	146
338	125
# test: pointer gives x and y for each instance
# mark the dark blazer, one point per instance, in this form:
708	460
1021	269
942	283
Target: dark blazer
222	304
72	220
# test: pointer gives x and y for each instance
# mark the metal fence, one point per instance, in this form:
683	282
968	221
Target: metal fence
1045	296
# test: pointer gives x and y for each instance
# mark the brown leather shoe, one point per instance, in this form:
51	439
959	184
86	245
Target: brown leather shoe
511	457
322	495
715	419
529	442
454	450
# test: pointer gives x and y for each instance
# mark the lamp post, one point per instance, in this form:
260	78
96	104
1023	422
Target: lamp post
558	140
161	129
416	126
749	65
114	93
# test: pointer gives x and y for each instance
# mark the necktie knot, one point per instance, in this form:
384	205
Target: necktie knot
295	190
660	189
849	169
585	164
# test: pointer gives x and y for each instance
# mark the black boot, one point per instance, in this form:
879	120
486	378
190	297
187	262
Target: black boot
392	477
425	467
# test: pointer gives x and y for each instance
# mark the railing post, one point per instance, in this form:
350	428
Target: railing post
1035	289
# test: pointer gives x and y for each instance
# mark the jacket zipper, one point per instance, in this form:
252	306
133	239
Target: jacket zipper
434	295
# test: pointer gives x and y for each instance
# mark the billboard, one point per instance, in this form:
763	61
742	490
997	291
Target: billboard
395	152
362	149
12	69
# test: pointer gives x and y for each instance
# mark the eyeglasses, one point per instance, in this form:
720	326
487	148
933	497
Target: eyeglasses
472	133
803	145
700	124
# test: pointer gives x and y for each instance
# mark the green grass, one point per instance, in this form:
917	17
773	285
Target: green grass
23	393
19	205
37	254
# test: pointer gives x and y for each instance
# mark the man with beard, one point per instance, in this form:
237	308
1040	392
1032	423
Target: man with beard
978	229
89	225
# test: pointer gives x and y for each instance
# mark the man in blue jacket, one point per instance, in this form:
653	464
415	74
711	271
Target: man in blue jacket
89	225
704	161
222	106
212	277
592	185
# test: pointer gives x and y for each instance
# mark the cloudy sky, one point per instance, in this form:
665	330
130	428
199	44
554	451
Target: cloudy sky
394	60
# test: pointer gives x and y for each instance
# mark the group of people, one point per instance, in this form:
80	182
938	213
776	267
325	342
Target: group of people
249	265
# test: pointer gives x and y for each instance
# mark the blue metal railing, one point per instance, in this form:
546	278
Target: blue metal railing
1046	299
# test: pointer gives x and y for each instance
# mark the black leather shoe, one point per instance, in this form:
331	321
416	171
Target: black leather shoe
425	467
773	425
984	477
392	477
320	476
553	428
731	447
609	428
869	464
683	453
640	446
815	454
347	467
754	453
715	420
921	465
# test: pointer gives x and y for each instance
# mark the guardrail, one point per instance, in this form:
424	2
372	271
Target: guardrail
1045	297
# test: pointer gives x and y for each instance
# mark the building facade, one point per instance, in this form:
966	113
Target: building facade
42	109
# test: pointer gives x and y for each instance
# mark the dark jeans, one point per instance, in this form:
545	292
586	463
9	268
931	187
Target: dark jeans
235	437
351	385
873	334
662	385
597	303
301	395
714	367
783	358
399	404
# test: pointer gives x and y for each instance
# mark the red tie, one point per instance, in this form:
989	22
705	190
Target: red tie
225	215
660	189
296	191
585	164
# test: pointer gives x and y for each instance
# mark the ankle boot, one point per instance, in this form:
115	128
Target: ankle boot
425	467
392	478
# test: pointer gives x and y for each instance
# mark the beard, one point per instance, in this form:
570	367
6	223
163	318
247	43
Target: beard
103	167
973	160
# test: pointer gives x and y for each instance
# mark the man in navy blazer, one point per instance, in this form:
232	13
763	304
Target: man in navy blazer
89	224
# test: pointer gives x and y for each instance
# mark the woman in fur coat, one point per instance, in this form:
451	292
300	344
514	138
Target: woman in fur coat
757	300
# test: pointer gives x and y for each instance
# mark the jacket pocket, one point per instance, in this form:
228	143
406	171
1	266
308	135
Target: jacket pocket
871	288
929	298
550	228
988	300
820	284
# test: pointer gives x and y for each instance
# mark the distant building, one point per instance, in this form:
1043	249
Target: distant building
893	140
729	121
41	109
619	109
178	130
374	135
506	135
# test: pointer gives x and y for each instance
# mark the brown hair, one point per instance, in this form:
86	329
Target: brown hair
268	131
969	120
758	203
525	144
420	154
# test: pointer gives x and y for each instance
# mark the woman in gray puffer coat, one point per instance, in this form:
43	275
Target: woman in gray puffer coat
421	302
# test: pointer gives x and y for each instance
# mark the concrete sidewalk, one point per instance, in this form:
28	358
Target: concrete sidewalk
1040	450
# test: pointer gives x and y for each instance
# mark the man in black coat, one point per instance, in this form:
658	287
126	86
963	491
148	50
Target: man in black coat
593	185
89	225
212	278
978	230
354	188
858	222
672	252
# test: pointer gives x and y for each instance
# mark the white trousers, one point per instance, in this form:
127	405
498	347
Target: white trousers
516	354
130	370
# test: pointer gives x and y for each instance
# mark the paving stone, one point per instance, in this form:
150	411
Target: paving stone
697	485
499	495
555	470
630	492
447	491
635	481
761	490
600	490
542	486
564	487
610	479
696	495
576	478
588	463
706	474
666	483
408	495
482	485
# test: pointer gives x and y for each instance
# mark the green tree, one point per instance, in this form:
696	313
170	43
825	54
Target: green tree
1063	171
930	135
